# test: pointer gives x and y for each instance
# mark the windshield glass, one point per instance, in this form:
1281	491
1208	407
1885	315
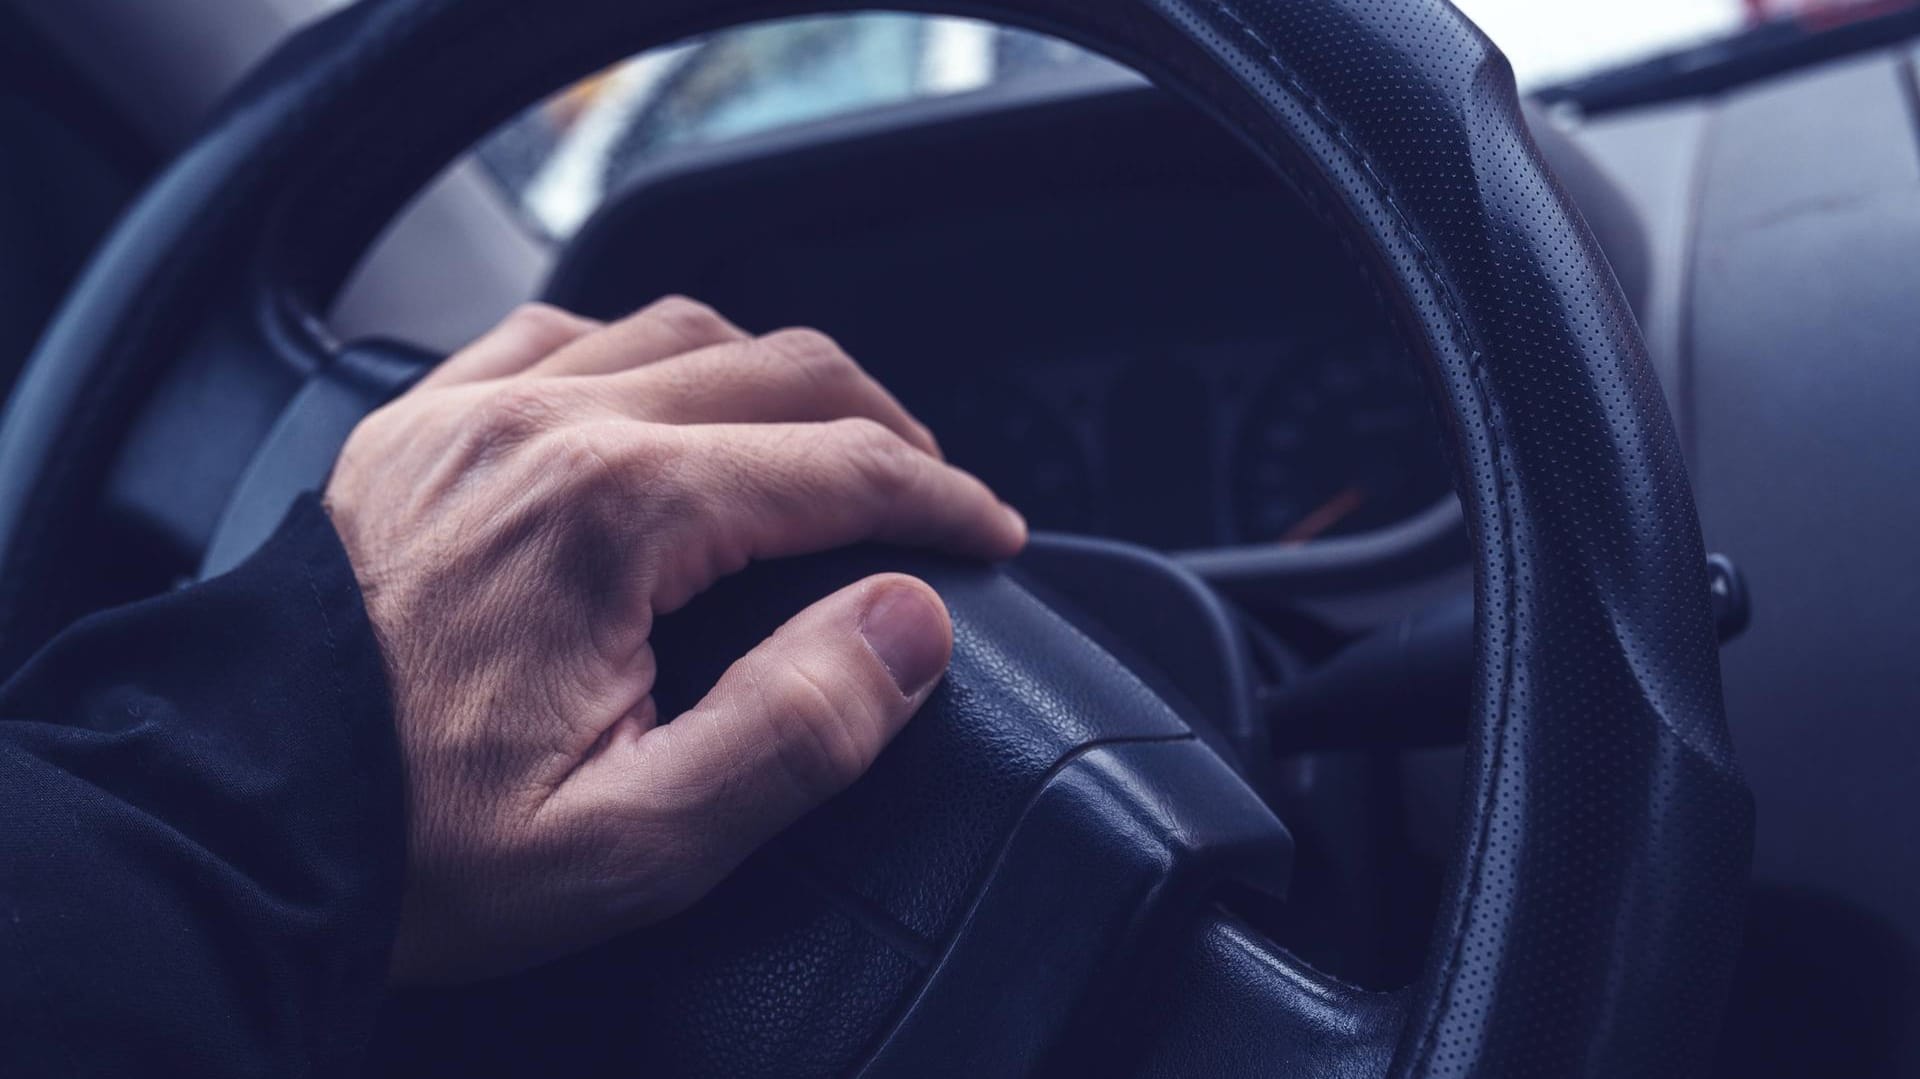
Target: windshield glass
1553	40
557	162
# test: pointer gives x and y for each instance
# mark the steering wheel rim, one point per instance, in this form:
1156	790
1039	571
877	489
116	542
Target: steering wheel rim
1592	908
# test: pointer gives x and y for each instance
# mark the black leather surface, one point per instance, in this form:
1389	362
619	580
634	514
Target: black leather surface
1230	1003
1593	902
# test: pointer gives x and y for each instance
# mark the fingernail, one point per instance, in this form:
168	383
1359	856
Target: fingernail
906	629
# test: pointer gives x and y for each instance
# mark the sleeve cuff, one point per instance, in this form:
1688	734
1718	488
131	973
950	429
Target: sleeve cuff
206	838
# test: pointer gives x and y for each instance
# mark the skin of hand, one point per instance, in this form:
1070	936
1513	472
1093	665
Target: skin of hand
517	522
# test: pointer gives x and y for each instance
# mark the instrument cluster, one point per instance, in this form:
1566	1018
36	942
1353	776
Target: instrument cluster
1237	443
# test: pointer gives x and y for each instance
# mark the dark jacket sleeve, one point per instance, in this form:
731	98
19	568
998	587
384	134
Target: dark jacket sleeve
201	829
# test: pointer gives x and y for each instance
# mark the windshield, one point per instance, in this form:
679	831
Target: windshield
1553	40
557	162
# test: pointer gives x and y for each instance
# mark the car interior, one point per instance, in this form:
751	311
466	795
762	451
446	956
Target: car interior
1420	470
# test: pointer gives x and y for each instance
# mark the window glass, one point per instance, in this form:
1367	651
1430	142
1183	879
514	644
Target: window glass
558	161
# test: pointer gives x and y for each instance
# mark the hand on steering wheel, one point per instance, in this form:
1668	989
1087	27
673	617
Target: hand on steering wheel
1012	875
516	522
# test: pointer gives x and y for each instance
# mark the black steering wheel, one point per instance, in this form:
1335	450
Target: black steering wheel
1045	871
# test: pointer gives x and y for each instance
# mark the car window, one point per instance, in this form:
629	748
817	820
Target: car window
558	160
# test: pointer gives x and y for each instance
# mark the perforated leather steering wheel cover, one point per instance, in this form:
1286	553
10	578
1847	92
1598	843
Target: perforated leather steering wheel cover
1592	909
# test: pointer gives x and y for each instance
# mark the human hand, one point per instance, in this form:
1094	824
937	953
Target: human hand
516	523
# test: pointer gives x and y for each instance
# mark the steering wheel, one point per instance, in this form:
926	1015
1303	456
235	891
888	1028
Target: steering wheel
1049	870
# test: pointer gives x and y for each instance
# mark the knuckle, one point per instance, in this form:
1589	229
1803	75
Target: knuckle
816	356
689	321
640	468
626	460
819	744
867	437
512	414
541	319
576	453
542	328
883	457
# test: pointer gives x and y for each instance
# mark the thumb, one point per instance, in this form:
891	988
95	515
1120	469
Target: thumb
789	725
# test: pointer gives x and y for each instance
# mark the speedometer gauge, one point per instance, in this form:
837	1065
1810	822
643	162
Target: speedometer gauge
1340	442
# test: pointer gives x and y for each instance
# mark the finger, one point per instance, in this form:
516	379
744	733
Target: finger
791	376
666	327
789	725
761	491
526	336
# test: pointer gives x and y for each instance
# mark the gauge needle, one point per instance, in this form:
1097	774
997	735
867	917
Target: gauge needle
1331	512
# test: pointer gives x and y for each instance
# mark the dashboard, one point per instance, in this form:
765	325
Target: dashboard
1120	323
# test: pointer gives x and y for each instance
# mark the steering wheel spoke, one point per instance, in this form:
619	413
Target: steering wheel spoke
196	426
297	453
